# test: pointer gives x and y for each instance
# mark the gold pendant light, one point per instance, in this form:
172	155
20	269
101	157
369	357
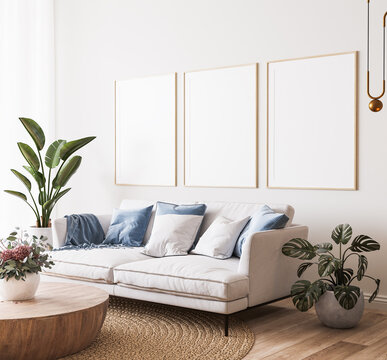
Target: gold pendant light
375	105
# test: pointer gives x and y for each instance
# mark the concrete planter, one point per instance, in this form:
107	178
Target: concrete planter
331	314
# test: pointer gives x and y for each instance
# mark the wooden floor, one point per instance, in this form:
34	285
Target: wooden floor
282	332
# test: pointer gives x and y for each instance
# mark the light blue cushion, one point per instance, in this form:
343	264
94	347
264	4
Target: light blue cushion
192	209
262	220
128	227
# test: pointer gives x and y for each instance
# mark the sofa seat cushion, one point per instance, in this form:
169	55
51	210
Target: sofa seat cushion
93	264
192	275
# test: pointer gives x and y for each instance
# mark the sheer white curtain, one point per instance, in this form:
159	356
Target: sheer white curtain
27	89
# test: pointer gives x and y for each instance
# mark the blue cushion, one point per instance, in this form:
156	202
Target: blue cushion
128	227
192	209
262	220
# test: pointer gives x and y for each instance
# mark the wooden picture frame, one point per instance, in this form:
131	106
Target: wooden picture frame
221	127
312	123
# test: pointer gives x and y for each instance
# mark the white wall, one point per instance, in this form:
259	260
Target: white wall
98	41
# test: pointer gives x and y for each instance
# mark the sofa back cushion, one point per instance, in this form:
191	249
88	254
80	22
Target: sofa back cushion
230	210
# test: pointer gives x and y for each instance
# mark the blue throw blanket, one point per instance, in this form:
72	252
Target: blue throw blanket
83	231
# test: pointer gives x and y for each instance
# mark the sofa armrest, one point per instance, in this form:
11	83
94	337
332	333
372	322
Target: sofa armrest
59	229
271	274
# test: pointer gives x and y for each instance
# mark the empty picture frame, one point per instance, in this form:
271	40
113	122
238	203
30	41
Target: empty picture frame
145	112
312	123
220	123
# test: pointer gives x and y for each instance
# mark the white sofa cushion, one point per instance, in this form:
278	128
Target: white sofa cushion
192	276
93	264
235	211
220	238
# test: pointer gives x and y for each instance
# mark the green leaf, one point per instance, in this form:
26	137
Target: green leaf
67	171
375	293
49	205
17	194
347	274
347	295
327	264
29	155
362	267
299	248
72	146
53	153
38	176
342	234
305	293
22	178
323	248
364	243
35	132
303	267
41	198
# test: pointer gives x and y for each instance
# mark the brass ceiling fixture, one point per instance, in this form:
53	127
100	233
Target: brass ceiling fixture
375	105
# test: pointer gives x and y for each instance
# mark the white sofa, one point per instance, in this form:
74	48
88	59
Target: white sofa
260	276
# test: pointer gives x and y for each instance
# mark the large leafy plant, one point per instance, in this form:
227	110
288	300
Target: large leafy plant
50	186
20	255
334	275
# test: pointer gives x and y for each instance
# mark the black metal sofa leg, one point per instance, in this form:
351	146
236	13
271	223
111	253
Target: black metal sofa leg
226	325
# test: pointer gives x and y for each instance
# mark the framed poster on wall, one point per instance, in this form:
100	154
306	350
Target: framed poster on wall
220	126
312	123
145	131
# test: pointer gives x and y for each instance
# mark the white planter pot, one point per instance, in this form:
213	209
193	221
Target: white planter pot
18	289
43	231
331	314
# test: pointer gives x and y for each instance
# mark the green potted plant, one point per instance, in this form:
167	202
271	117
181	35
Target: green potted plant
50	186
339	303
21	259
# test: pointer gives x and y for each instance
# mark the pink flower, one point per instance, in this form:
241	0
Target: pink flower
19	253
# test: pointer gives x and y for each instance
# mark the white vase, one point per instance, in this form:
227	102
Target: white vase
333	315
18	289
41	231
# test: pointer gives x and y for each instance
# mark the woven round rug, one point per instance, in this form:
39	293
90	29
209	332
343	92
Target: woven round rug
141	330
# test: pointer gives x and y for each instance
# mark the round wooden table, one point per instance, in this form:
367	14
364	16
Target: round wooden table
62	319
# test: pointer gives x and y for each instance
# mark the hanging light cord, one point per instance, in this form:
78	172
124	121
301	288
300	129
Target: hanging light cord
368	54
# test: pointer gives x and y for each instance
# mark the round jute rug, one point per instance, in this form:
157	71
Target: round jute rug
139	330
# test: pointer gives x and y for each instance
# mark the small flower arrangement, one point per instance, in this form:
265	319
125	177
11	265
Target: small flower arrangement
20	255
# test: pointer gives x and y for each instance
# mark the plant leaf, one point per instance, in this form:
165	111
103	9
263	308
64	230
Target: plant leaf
52	158
323	248
35	132
347	295
364	243
347	274
17	194
342	234
362	267
327	264
299	248
305	293
72	146
38	176
303	267
22	178
49	205
67	171
29	155
375	293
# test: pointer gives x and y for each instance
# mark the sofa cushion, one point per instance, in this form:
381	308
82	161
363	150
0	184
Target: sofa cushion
192	275
235	211
93	264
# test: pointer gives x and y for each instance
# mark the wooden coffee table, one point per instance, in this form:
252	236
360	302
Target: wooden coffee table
62	319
